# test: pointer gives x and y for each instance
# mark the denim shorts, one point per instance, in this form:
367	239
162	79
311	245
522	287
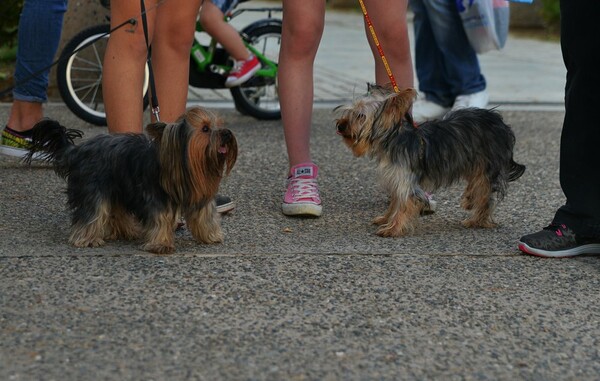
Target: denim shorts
225	5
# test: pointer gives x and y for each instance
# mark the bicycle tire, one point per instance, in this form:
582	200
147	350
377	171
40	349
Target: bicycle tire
79	75
258	98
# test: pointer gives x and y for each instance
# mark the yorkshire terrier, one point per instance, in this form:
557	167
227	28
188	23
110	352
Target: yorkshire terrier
135	185
468	144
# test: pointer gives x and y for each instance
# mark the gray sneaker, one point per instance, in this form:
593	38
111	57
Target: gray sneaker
224	204
557	241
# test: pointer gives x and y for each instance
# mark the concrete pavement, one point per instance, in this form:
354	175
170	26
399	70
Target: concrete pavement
306	299
298	299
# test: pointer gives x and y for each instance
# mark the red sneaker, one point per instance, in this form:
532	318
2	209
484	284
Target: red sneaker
242	71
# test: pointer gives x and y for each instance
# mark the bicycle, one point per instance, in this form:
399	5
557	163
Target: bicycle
79	72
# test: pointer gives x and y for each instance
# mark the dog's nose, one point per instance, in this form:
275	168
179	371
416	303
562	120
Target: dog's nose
341	128
226	134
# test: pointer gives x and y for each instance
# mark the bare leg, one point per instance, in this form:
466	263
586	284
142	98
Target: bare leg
123	71
175	26
389	20
300	38
212	21
23	115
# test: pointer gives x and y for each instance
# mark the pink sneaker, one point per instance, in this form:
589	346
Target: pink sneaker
242	71
302	195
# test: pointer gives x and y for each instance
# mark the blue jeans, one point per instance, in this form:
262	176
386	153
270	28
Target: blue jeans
40	26
445	63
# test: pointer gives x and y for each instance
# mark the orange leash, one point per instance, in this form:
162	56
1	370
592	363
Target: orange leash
379	48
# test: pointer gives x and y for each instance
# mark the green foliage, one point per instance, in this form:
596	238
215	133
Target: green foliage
551	13
9	22
8	53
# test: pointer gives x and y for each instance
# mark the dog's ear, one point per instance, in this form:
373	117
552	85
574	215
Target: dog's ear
370	87
405	97
155	130
403	100
409	93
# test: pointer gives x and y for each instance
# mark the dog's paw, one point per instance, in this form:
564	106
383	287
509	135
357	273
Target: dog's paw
207	233
93	242
380	220
392	231
215	237
157	248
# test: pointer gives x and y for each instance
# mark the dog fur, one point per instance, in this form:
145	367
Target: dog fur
133	186
469	144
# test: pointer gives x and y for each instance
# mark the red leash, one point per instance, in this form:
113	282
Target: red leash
379	48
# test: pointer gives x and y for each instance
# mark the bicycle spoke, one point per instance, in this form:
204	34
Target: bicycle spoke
98	58
83	69
87	90
82	60
79	78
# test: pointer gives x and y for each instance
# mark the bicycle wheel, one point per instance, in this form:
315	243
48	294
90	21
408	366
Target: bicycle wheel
79	74
259	97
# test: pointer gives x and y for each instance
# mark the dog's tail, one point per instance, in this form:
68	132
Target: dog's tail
50	141
516	170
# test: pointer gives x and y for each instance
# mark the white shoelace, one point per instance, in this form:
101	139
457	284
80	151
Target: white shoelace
304	188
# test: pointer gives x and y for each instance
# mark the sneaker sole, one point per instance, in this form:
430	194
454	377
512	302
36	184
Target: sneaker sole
226	208
13	151
579	250
308	210
243	78
19	152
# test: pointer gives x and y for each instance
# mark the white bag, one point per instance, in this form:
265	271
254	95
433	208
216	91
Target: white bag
485	22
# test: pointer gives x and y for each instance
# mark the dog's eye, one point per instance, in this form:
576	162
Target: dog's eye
205	128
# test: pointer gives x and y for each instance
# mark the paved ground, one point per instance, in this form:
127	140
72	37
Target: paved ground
305	299
284	298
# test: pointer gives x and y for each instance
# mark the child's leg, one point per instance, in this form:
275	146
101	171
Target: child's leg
213	23
302	30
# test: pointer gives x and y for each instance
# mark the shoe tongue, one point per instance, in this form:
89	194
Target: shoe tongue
304	172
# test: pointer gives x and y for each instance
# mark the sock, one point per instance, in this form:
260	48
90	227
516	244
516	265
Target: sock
25	134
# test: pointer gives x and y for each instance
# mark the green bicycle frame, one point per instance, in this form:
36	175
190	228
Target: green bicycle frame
204	56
